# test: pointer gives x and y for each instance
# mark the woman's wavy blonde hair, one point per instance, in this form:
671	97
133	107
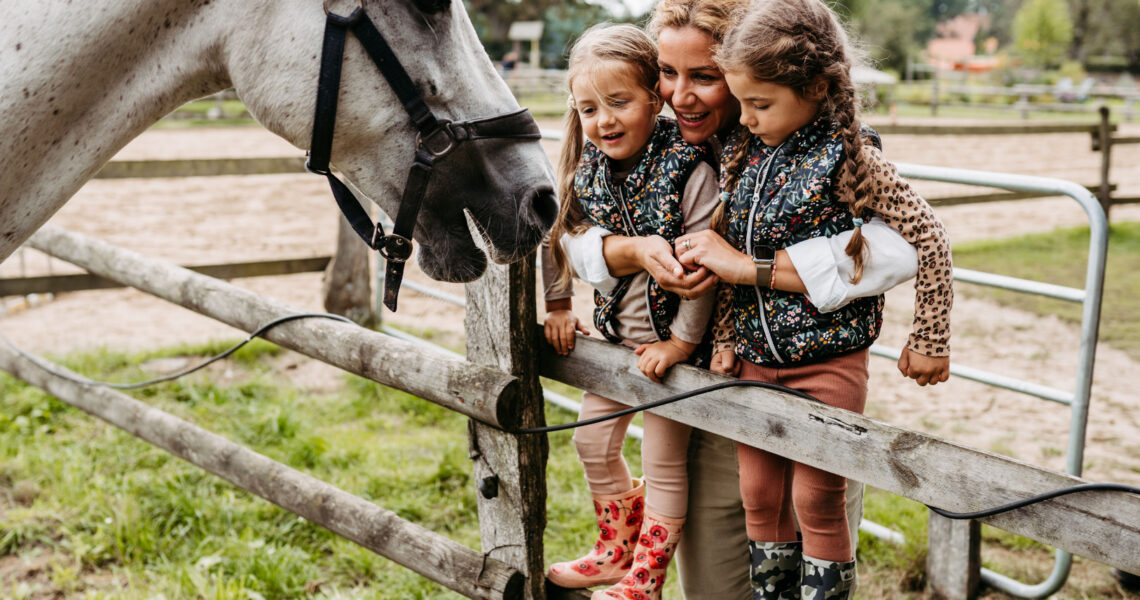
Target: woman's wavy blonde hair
713	17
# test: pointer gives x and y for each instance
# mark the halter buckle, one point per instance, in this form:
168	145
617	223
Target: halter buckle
395	248
328	9
432	140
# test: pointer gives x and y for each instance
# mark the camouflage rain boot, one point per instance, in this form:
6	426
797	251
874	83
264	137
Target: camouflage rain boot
775	570
619	521
827	580
646	576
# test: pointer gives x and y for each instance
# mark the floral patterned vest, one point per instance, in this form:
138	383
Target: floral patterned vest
648	202
794	202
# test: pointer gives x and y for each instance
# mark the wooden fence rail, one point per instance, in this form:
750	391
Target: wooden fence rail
428	553
482	393
510	469
1102	526
55	284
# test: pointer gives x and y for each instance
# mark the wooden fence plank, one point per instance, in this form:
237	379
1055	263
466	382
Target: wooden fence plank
1103	526
510	469
995	197
55	284
201	167
478	392
379	530
995	129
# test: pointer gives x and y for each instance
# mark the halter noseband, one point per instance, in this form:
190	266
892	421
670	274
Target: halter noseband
435	140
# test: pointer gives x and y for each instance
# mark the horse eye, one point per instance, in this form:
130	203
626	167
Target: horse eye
432	7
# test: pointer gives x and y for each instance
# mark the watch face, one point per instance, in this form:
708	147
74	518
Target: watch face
763	252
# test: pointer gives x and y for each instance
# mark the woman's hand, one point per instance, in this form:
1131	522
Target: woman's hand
657	258
725	363
656	358
654	255
559	327
924	369
707	249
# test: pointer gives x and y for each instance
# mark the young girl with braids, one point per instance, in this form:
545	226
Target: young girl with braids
634	175
807	168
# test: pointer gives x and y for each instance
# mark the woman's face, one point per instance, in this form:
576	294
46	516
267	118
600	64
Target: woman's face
692	84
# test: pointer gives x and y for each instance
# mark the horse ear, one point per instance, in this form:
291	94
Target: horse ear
432	7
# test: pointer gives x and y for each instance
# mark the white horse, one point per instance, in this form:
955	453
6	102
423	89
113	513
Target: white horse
78	80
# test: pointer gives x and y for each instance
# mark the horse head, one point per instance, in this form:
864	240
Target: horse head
504	187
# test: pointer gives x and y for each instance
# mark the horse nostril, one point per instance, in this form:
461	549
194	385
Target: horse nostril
545	207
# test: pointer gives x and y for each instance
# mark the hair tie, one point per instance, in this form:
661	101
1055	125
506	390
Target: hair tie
857	222
725	196
570	102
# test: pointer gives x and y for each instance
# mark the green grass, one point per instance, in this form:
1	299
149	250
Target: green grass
118	518
1060	257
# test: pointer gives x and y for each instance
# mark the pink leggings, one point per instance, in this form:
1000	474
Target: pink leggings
664	456
771	484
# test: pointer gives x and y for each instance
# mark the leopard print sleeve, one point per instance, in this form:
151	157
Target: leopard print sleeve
724	334
902	208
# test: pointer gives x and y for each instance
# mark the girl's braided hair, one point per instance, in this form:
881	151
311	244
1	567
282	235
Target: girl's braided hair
604	50
802	45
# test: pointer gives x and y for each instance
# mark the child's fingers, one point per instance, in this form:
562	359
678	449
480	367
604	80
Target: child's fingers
582	328
648	365
567	338
551	333
640	349
904	362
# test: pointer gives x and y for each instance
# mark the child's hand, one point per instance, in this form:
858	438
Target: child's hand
707	249
924	369
725	363
656	358
559	327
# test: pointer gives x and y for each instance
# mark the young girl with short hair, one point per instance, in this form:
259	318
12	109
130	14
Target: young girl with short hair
634	175
807	168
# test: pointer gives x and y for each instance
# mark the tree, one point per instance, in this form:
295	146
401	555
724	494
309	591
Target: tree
1042	30
563	20
889	30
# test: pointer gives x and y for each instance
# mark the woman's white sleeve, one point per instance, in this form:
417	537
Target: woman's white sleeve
826	269
587	259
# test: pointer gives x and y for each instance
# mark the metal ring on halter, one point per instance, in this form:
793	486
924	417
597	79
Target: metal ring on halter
440	141
359	4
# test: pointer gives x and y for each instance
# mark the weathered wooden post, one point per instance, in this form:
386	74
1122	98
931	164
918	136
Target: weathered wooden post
1105	135
954	558
347	280
510	470
934	92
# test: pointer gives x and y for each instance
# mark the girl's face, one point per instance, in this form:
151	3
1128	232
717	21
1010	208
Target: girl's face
692	84
618	113
771	111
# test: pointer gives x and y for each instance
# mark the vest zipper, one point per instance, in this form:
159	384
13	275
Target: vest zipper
629	223
762	180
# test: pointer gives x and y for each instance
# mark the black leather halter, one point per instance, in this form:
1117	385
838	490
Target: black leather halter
436	139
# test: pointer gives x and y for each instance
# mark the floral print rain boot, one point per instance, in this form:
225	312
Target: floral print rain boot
646	577
619	521
826	579
775	570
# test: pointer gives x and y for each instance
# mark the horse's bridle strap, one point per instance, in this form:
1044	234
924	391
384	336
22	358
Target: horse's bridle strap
436	139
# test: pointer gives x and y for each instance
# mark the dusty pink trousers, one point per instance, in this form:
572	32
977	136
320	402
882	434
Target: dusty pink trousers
664	456
771	484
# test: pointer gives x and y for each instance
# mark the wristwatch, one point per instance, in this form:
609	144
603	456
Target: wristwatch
764	257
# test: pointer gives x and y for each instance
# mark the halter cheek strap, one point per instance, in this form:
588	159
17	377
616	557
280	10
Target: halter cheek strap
436	139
